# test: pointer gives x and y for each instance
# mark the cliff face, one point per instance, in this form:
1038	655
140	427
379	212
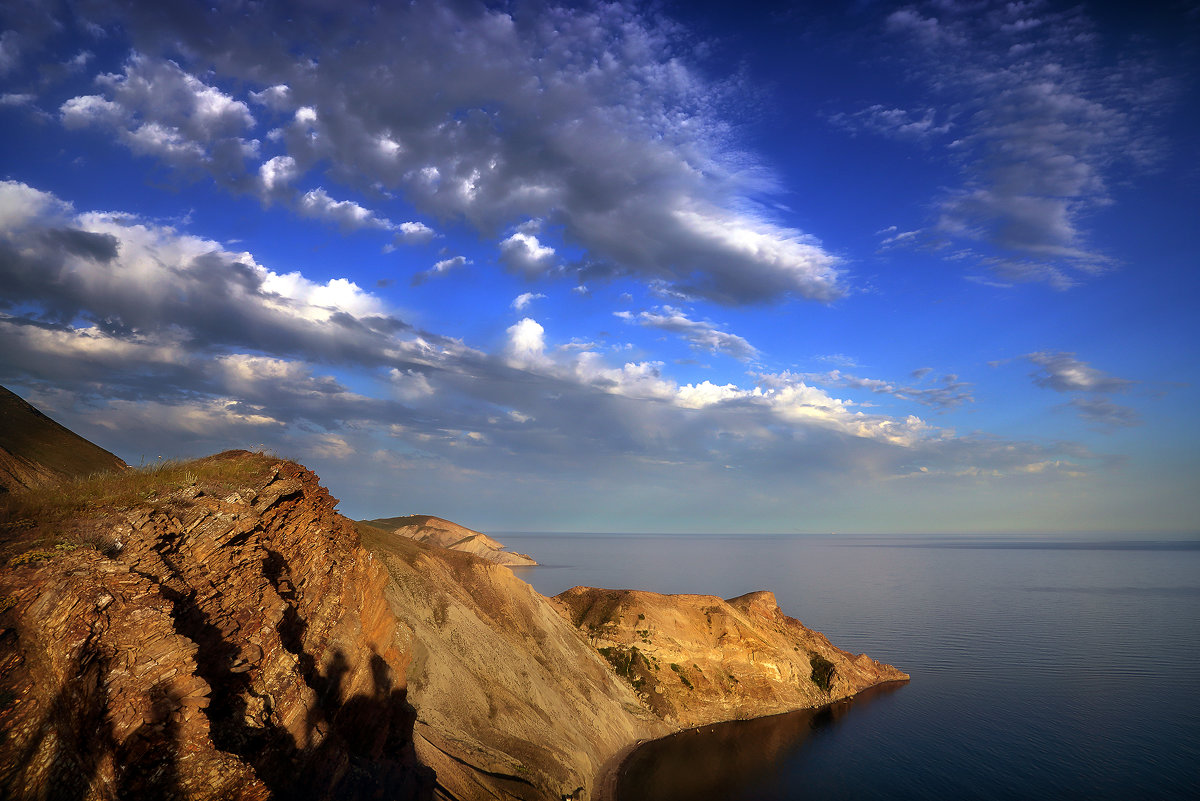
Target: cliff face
696	659
35	451
216	630
228	639
444	534
512	702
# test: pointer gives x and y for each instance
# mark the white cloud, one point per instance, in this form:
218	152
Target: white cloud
441	268
345	213
527	344
701	335
157	109
523	253
276	98
414	232
277	172
108	308
946	393
893	122
588	120
522	301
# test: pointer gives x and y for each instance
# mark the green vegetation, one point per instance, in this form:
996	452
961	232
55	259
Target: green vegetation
625	662
682	676
823	671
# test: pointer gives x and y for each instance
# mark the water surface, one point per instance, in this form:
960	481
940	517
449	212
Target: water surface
1043	666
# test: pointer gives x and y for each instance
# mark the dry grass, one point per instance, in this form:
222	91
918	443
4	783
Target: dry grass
79	511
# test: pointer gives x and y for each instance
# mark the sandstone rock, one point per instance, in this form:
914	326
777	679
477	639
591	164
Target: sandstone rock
696	659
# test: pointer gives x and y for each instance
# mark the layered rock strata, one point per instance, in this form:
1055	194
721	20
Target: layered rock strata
225	643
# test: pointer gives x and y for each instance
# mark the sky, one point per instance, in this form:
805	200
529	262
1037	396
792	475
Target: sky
645	267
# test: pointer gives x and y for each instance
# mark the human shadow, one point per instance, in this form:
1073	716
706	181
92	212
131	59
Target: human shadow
78	732
351	744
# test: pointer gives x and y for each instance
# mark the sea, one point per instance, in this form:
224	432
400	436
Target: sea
1043	666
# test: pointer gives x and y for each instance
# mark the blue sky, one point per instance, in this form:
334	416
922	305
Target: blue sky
623	266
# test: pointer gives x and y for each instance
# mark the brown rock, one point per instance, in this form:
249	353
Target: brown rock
444	534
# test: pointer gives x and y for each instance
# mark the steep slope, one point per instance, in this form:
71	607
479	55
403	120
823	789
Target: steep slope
36	451
224	637
444	534
696	659
512	702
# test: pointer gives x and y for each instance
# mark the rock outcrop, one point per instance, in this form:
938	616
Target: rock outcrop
696	659
228	639
35	451
511	701
444	534
215	630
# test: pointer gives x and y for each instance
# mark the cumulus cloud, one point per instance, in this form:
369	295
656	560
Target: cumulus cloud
412	232
523	253
346	213
1042	122
587	118
701	335
157	109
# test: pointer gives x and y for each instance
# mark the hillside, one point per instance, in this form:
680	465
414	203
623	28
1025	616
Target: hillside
216	630
444	534
36	451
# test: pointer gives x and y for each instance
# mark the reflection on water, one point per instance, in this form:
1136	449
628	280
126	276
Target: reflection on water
727	761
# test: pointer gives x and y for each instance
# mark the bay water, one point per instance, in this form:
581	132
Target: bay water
1043	666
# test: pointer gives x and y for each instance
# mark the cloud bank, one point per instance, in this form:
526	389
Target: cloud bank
587	118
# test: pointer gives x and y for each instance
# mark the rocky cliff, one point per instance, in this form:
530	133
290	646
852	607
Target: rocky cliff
444	534
215	630
35	451
696	659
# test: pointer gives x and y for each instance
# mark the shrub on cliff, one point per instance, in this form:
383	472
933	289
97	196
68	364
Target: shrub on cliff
823	671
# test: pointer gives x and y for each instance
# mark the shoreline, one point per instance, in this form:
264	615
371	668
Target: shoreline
615	769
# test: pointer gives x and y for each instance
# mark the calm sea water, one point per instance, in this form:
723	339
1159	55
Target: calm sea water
1043	666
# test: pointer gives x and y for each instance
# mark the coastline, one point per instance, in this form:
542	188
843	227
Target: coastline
773	738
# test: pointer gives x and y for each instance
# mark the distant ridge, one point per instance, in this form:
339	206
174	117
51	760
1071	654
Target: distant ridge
36	451
444	534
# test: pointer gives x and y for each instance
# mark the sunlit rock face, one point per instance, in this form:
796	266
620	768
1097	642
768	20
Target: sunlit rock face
226	637
444	534
696	659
